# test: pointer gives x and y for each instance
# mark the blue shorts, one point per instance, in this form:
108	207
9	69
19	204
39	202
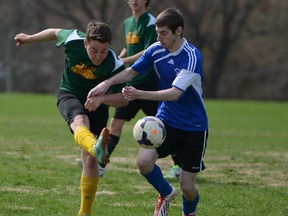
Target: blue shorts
189	145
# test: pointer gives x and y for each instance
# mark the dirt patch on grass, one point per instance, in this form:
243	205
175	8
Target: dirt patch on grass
258	169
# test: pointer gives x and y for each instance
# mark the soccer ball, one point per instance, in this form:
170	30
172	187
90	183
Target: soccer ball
149	132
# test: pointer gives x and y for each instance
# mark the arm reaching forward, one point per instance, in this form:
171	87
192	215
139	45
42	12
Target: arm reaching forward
115	100
131	93
122	77
45	35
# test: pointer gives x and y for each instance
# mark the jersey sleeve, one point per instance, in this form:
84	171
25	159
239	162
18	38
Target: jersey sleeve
144	63
62	36
150	36
119	66
185	79
116	88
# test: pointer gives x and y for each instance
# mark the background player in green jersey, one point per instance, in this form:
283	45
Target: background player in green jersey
89	61
139	33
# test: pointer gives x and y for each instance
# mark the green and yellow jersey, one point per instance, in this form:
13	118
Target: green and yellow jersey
80	74
139	35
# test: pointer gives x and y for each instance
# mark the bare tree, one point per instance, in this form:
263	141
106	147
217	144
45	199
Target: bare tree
80	12
216	27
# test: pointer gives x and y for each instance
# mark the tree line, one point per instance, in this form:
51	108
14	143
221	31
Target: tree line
243	42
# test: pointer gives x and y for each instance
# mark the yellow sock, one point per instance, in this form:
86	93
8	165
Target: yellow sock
85	139
88	191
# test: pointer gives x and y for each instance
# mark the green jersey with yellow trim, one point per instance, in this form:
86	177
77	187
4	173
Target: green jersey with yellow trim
80	74
139	35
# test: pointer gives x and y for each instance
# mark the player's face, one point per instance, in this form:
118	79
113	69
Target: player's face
97	51
166	38
137	4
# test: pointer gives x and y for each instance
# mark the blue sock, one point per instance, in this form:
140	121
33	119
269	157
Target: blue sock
156	179
189	206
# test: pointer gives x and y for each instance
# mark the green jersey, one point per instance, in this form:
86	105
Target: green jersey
80	74
139	35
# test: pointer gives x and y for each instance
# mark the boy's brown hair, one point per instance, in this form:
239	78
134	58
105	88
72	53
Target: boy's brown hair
172	18
99	31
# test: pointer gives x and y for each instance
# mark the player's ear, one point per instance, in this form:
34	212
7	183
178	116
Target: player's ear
85	43
179	30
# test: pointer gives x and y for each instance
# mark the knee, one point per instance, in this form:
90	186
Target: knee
79	120
189	191
143	165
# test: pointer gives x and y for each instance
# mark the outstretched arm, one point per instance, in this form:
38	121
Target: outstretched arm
45	35
172	94
122	77
115	100
122	53
131	59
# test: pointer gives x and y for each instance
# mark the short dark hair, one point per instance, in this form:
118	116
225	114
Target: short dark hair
99	31
171	17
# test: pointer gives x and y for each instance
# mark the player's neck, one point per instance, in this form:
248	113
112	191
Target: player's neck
178	43
138	13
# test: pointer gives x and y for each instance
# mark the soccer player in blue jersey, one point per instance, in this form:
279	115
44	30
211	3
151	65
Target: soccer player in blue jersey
178	66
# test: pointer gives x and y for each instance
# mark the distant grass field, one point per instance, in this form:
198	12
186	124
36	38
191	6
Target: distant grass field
246	160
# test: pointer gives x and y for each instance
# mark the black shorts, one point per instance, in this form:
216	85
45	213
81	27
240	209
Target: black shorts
190	147
70	106
148	107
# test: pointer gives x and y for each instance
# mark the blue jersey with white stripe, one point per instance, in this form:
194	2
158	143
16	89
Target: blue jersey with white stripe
183	70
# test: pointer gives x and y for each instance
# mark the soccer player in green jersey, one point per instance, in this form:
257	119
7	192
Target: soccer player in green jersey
89	61
139	34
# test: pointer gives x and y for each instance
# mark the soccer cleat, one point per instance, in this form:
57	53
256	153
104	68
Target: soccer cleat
174	173
101	147
191	214
101	170
163	203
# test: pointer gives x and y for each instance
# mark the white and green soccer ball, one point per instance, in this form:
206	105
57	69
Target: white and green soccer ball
149	132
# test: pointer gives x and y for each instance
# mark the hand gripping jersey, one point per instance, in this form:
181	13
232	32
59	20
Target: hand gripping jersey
80	74
183	70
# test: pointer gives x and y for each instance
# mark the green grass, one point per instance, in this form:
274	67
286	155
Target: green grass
246	162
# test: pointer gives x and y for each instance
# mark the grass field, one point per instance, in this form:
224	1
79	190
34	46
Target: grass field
246	160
